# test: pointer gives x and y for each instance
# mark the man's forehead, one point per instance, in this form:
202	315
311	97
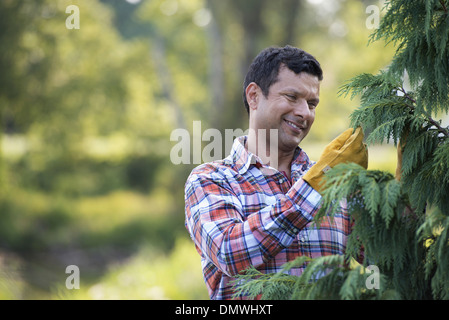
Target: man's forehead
288	78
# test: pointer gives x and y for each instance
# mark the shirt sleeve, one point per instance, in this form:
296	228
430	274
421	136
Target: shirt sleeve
233	239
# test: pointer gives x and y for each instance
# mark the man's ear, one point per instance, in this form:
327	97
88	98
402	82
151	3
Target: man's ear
252	95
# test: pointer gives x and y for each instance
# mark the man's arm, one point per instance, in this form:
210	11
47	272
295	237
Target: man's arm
216	221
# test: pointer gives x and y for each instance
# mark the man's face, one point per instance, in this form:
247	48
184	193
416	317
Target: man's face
289	107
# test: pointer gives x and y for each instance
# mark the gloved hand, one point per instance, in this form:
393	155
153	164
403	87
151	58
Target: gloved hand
347	147
401	145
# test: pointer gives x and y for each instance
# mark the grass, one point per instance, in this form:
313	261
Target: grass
127	245
146	276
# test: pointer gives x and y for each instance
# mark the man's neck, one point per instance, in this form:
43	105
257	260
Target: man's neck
279	160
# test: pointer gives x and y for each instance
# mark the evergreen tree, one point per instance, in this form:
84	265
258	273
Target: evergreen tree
401	222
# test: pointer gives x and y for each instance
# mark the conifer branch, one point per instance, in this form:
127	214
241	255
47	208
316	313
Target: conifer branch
443	5
429	118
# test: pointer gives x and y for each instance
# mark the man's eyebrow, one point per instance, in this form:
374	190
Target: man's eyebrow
298	93
291	91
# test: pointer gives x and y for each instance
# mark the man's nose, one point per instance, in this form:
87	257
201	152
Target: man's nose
302	109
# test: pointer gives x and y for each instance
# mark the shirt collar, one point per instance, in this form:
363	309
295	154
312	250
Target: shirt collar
242	159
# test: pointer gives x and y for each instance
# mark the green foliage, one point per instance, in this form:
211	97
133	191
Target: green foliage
420	29
400	223
148	274
434	231
382	112
334	279
384	231
47	232
385	226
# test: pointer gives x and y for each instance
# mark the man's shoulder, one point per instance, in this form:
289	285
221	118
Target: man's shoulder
217	169
211	167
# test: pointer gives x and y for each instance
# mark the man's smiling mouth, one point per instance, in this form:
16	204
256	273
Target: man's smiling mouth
294	125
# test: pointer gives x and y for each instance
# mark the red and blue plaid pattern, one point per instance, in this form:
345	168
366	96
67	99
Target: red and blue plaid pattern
240	212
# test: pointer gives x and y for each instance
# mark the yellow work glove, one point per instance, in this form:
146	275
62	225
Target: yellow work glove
401	146
399	160
347	147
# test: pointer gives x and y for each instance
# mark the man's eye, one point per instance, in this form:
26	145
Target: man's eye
291	97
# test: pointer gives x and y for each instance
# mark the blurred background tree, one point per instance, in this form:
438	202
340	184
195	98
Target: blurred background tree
86	116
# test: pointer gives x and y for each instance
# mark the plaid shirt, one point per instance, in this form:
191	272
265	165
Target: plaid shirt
240	212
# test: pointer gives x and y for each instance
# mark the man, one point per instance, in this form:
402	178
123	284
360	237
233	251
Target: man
256	206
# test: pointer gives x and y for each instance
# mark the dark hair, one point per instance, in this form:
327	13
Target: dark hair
264	69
